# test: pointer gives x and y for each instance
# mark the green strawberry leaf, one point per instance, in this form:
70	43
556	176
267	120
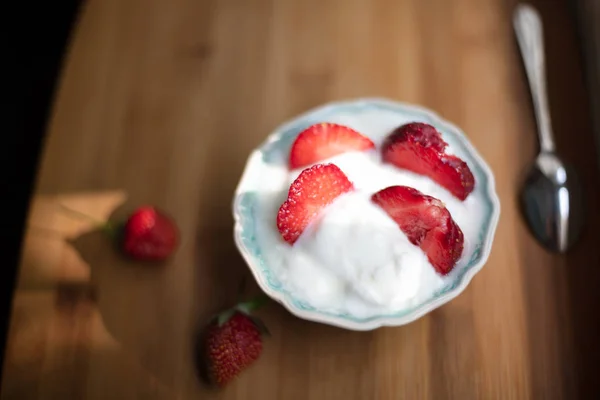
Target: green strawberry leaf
254	304
224	317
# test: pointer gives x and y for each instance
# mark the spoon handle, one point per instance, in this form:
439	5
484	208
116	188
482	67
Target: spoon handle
529	31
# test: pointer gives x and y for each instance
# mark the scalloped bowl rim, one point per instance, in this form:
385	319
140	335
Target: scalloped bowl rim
385	320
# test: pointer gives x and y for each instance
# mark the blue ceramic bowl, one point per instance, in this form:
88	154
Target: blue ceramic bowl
276	148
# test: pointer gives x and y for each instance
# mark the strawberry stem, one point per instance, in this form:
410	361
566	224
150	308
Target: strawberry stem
110	229
245	308
248	306
224	316
107	227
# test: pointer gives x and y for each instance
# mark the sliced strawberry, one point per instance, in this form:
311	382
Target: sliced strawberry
414	212
443	246
314	189
424	134
321	141
426	222
420	148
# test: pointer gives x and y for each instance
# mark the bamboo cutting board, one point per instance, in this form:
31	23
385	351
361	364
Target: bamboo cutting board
161	102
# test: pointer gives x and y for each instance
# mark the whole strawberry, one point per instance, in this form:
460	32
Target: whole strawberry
231	343
149	235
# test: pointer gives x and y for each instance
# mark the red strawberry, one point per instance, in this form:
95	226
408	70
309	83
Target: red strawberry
314	189
149	235
321	141
231	343
420	148
426	222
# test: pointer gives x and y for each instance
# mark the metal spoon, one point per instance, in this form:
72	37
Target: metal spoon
551	196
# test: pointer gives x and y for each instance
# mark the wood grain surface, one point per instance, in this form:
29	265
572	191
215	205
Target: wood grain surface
161	102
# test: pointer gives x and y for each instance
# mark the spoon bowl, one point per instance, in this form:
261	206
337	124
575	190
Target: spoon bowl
551	201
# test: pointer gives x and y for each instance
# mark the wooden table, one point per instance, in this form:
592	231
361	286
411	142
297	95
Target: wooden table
161	102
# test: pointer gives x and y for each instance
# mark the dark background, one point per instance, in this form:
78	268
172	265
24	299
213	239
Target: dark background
37	37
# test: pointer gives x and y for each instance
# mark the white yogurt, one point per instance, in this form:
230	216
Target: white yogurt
353	259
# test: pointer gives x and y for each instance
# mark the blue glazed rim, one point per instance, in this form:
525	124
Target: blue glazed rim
245	201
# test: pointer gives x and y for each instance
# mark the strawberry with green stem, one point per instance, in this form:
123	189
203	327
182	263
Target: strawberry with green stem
231	342
147	235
